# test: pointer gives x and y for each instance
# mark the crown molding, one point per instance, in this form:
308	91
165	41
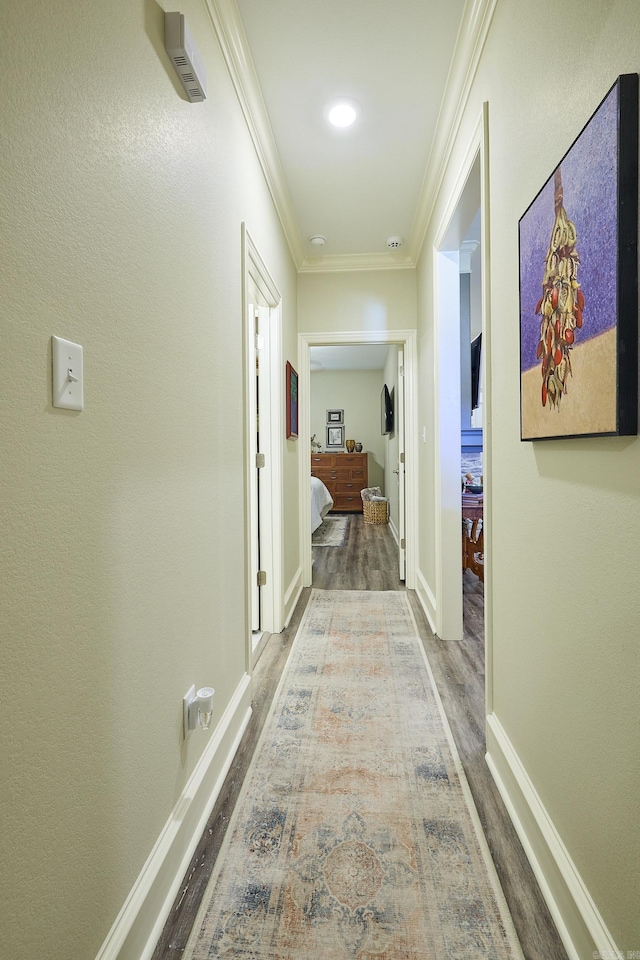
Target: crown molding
229	30
338	263
467	250
472	37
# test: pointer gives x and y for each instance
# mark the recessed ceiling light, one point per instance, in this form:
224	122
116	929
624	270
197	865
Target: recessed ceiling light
341	113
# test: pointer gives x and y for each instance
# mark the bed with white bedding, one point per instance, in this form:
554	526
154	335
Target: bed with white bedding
321	502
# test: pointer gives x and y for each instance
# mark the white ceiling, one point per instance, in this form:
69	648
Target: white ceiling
359	186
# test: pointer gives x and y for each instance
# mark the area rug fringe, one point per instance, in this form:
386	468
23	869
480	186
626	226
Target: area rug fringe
355	834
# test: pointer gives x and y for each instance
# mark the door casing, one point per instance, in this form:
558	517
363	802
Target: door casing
258	281
407	340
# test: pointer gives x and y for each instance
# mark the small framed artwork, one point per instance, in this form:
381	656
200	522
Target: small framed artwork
579	283
335	436
292	402
335	416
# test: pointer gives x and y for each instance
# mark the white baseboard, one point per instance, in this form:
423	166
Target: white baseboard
394	532
427	599
259	647
139	924
579	923
292	596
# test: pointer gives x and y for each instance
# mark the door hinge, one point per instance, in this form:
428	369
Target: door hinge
402	544
262	578
260	460
402	458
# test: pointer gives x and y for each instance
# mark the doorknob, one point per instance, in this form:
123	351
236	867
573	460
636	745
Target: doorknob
397	471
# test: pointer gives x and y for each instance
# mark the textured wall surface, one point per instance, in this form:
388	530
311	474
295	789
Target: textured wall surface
566	514
357	392
357	300
122	547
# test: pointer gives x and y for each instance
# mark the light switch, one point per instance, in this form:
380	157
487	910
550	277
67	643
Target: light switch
68	389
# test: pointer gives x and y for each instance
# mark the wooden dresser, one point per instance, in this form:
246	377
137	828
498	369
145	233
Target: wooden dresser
344	475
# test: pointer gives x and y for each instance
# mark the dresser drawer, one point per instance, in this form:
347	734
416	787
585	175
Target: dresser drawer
359	474
348	488
347	501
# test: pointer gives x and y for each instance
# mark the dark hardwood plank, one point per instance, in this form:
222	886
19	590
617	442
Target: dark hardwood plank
368	560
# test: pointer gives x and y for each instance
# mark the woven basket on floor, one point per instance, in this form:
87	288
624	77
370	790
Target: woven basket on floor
375	511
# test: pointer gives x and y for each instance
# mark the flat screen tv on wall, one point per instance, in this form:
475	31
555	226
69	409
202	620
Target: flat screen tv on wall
386	411
476	346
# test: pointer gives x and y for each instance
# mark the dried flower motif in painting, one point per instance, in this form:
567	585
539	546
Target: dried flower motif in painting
561	305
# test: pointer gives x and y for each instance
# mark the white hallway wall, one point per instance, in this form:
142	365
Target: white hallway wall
357	392
122	526
359	300
566	514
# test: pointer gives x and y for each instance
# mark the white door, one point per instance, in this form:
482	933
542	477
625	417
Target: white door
258	451
401	481
254	471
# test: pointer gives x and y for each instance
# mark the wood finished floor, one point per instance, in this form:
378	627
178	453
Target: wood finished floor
368	561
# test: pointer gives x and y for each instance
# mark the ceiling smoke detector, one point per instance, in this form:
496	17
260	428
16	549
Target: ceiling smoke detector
394	242
317	240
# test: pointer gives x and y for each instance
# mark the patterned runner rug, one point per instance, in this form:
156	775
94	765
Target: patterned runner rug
331	533
355	835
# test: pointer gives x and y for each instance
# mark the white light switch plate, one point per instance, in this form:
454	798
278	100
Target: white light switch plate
68	381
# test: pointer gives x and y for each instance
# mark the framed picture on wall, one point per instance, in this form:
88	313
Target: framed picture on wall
335	436
292	402
579	283
335	416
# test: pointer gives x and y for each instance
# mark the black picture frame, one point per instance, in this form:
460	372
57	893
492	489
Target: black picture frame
578	242
292	402
335	416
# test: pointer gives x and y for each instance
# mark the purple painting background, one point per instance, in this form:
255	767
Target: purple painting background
590	199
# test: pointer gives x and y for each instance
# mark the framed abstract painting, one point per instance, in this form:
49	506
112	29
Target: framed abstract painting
578	244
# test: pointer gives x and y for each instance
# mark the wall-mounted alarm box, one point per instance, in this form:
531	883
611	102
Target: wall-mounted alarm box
184	56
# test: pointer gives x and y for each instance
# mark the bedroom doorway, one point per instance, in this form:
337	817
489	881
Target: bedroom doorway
264	437
392	466
466	212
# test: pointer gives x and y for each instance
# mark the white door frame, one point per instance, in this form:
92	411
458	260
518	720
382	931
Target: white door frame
257	277
401	432
408	340
448	509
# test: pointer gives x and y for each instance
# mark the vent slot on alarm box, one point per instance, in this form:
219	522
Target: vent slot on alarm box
184	56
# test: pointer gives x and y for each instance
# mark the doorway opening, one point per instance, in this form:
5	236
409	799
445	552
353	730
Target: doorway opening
346	390
263	446
471	444
463	429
